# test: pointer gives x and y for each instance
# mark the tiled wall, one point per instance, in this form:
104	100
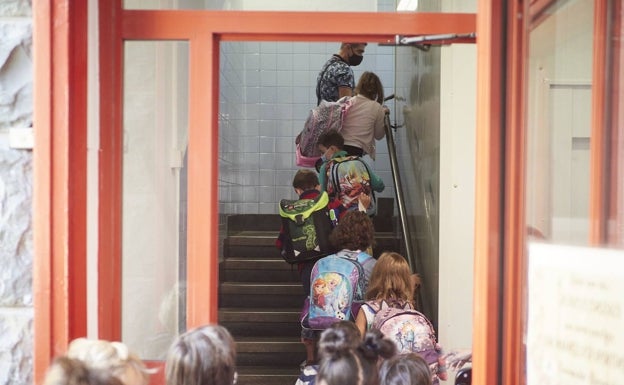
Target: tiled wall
267	90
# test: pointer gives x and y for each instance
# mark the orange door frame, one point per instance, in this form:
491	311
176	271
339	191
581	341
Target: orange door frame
59	177
61	73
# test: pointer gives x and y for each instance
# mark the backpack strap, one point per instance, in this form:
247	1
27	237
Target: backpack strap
360	290
369	313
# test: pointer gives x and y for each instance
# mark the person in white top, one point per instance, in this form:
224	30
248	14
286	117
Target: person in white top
364	121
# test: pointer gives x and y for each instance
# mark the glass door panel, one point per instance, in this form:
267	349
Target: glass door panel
558	116
155	128
559	119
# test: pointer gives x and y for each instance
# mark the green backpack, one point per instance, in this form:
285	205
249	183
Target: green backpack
307	225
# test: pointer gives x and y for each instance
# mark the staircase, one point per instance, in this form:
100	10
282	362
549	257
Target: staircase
260	296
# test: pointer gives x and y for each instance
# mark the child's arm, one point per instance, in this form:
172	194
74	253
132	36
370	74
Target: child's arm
360	322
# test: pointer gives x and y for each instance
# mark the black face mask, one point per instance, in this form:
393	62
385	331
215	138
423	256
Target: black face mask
355	60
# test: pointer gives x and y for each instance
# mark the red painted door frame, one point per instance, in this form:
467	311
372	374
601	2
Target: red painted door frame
60	195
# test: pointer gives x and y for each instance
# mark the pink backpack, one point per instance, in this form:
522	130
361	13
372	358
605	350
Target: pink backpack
411	331
321	119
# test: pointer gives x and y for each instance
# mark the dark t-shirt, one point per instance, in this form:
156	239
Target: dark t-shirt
334	74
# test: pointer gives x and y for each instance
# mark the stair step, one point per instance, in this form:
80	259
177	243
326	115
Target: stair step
259	375
264	222
253	238
260	296
269	295
260	244
271	352
242	269
244	322
258	315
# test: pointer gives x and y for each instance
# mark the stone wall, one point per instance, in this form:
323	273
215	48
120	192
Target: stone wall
16	243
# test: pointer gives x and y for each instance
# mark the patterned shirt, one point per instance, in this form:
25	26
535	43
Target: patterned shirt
334	74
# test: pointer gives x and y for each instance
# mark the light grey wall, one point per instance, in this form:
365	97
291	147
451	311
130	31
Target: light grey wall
16	251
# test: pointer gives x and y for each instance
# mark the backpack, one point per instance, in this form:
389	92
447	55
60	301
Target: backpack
321	119
411	331
347	177
337	287
306	225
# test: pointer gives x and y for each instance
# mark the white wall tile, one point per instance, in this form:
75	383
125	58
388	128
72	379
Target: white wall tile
301	62
268	62
285	78
268	95
284	47
268	128
284	62
284	144
252	95
268	78
268	47
252	62
267	144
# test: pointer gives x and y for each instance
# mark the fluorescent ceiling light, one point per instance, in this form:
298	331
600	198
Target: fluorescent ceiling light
407	5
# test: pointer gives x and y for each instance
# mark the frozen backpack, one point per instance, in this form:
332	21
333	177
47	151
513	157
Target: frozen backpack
337	287
321	119
306	225
347	177
411	331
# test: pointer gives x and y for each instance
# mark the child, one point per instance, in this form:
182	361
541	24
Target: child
348	180
344	362
204	355
68	371
365	121
405	369
353	235
113	357
392	286
307	186
349	332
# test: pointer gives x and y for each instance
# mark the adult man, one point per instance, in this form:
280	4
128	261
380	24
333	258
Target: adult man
336	78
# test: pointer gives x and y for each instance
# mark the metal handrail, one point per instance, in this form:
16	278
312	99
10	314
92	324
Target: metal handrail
398	187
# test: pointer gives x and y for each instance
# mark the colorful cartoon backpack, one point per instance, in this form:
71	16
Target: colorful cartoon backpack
347	177
307	225
337	288
411	331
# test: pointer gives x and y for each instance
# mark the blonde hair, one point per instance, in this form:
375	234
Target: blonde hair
110	356
67	371
391	279
204	355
